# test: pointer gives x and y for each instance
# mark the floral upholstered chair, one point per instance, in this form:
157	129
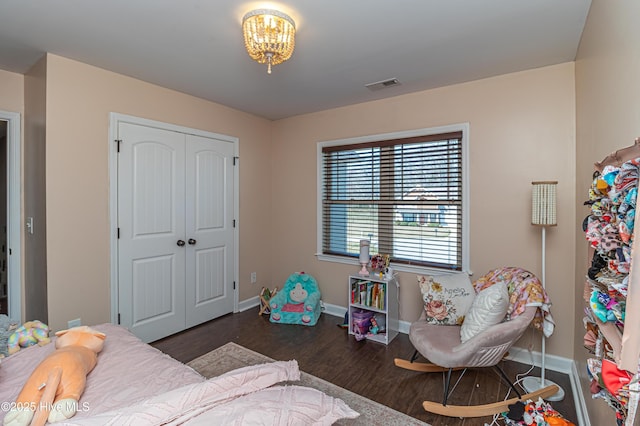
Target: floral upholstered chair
465	324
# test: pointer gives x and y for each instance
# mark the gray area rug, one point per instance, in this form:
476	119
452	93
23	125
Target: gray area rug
232	356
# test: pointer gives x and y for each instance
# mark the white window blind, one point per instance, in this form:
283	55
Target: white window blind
405	195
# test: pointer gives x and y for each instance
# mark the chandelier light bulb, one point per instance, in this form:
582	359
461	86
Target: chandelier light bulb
269	36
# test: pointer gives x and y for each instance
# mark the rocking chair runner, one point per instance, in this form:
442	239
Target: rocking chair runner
442	346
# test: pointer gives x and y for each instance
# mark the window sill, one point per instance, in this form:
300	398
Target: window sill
397	267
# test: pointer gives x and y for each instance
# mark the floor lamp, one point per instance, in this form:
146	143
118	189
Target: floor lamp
543	214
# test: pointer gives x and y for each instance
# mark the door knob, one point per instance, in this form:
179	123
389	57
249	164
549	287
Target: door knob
180	243
192	241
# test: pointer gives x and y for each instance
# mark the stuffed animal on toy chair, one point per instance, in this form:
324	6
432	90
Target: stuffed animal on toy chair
28	334
53	390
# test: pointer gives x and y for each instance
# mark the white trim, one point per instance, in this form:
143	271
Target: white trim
114	120
464	127
578	397
236	233
552	362
14	213
334	310
398	267
247	304
113	214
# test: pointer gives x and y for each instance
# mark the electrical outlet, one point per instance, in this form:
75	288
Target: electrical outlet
74	323
254	278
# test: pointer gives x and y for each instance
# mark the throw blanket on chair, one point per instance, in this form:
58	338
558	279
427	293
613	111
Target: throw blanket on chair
525	289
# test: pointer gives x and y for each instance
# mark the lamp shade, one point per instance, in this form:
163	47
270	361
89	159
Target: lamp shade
543	203
364	251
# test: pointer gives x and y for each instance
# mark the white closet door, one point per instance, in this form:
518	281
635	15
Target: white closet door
151	221
209	228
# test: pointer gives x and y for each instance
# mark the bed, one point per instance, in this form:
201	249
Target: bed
134	383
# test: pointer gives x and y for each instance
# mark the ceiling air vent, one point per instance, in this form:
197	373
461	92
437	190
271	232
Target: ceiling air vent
382	84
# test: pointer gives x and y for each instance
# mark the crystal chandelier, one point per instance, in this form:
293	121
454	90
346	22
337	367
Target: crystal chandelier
269	36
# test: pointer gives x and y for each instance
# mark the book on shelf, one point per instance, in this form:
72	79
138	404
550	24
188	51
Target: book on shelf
368	293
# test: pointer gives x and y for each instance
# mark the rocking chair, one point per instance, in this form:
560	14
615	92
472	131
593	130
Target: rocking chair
443	347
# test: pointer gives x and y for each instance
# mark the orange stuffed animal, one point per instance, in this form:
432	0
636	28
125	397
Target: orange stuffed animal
54	388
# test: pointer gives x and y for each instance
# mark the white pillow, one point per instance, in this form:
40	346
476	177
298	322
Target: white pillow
489	308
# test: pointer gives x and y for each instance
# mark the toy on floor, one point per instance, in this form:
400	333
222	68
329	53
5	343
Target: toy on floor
298	302
538	413
357	334
28	334
57	382
345	322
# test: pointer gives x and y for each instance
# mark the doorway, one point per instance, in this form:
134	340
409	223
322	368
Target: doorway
10	216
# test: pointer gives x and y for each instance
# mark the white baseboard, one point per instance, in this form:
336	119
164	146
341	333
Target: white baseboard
552	362
578	397
247	304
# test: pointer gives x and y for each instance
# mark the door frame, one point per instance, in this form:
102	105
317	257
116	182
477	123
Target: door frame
14	214
114	120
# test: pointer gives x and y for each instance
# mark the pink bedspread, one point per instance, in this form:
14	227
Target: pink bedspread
136	384
128	371
239	397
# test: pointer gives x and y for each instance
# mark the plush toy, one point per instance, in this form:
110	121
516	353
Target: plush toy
298	302
602	306
28	334
54	388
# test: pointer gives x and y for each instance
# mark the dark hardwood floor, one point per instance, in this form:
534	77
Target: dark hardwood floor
366	368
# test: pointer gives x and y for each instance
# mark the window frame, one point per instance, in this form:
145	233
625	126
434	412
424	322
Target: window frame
460	127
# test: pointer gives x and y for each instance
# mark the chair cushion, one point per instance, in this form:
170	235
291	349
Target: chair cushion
447	298
437	343
489	308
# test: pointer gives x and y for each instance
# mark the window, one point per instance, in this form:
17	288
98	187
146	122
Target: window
403	192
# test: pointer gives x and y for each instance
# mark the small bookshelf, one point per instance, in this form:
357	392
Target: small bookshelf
373	308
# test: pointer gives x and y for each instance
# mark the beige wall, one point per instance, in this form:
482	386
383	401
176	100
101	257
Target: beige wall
35	190
79	100
11	92
522	129
608	118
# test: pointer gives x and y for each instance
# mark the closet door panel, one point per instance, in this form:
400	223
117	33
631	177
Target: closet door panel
151	206
210	269
209	226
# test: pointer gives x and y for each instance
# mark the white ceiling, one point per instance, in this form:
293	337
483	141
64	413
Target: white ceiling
196	46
